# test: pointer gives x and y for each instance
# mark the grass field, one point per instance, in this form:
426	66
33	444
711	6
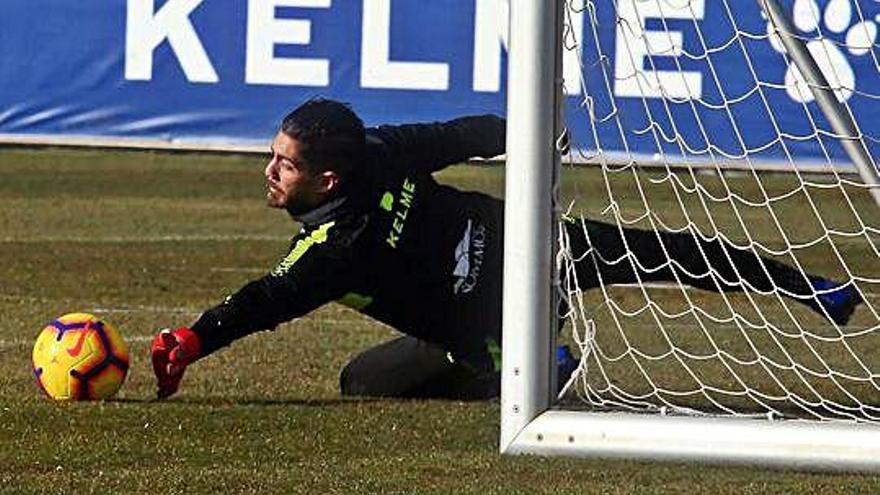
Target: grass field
148	240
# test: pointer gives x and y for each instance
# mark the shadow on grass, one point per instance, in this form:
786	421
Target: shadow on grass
254	401
293	402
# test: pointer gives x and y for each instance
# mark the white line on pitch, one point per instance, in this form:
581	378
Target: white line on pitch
239	270
27	342
649	285
97	309
6	343
145	309
159	238
221	269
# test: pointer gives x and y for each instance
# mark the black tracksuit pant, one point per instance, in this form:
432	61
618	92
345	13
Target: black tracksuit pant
410	368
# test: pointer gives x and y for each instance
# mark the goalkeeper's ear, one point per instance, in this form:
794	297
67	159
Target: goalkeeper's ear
328	182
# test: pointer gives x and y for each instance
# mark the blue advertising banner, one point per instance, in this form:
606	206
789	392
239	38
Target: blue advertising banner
210	71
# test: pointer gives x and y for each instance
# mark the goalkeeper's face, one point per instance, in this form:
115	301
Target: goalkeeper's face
289	184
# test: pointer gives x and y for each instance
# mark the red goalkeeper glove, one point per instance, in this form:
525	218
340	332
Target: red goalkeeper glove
172	352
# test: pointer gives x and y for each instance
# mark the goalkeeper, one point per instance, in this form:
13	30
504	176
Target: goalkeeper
380	235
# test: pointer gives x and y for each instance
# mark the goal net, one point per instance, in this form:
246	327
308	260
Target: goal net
719	261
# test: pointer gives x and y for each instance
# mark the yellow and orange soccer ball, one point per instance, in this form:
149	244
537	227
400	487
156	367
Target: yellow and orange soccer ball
80	357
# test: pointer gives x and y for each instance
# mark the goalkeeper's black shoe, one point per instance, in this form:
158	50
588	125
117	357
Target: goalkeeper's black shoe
838	300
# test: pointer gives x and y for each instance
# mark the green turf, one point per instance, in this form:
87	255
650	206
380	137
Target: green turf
148	240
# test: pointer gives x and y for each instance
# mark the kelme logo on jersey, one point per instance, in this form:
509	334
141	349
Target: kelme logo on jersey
400	210
469	258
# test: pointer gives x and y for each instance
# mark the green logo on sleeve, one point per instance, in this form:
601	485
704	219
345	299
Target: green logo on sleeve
387	201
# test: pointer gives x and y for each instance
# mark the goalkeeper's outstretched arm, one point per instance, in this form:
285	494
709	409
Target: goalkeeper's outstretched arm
431	147
314	277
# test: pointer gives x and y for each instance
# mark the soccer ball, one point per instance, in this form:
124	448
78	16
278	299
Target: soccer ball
80	357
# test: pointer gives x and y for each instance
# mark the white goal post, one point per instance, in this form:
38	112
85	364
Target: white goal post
662	423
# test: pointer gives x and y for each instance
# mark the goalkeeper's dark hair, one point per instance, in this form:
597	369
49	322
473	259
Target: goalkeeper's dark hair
330	134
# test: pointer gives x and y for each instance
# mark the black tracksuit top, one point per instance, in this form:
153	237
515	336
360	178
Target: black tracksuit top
395	245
